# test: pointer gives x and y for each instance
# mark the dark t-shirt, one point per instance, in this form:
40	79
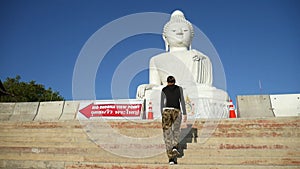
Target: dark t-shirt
172	96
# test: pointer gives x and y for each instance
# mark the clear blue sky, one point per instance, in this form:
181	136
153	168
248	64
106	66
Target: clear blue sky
257	40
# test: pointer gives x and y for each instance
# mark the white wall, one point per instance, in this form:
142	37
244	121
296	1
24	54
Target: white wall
286	104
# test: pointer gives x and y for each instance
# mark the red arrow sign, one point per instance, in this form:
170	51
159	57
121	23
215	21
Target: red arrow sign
111	110
87	111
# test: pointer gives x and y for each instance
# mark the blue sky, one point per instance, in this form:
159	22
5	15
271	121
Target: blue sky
257	40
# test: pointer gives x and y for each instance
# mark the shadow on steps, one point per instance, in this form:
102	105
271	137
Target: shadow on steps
187	135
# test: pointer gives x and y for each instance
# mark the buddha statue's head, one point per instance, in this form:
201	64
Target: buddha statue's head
178	32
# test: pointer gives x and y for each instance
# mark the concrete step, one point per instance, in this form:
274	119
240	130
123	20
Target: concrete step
160	159
166	166
232	143
280	122
13	164
240	153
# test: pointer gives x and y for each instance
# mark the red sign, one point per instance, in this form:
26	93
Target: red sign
111	110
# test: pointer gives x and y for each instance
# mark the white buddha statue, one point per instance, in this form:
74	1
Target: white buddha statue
191	68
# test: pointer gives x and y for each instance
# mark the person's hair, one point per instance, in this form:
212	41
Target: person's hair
171	79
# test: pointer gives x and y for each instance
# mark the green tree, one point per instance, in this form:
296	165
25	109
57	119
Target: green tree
18	91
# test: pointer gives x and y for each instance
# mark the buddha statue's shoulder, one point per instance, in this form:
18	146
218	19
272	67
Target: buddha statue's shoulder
161	56
197	52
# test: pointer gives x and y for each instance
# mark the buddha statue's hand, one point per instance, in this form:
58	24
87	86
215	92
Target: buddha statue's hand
141	90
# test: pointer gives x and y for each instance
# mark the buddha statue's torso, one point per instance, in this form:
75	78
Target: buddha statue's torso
180	64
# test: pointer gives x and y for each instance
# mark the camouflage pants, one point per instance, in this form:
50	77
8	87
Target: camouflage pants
171	121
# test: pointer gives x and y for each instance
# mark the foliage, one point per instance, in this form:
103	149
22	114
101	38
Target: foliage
27	91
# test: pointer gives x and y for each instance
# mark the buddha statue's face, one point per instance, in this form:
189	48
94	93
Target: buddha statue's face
178	34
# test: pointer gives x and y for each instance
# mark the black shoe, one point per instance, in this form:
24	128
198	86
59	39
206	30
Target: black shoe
171	161
175	152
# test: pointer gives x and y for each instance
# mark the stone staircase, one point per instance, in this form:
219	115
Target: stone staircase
137	144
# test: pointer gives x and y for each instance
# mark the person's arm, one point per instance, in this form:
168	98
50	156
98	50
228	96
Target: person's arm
182	102
162	101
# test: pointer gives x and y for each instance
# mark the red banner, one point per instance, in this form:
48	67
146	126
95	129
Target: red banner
111	110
